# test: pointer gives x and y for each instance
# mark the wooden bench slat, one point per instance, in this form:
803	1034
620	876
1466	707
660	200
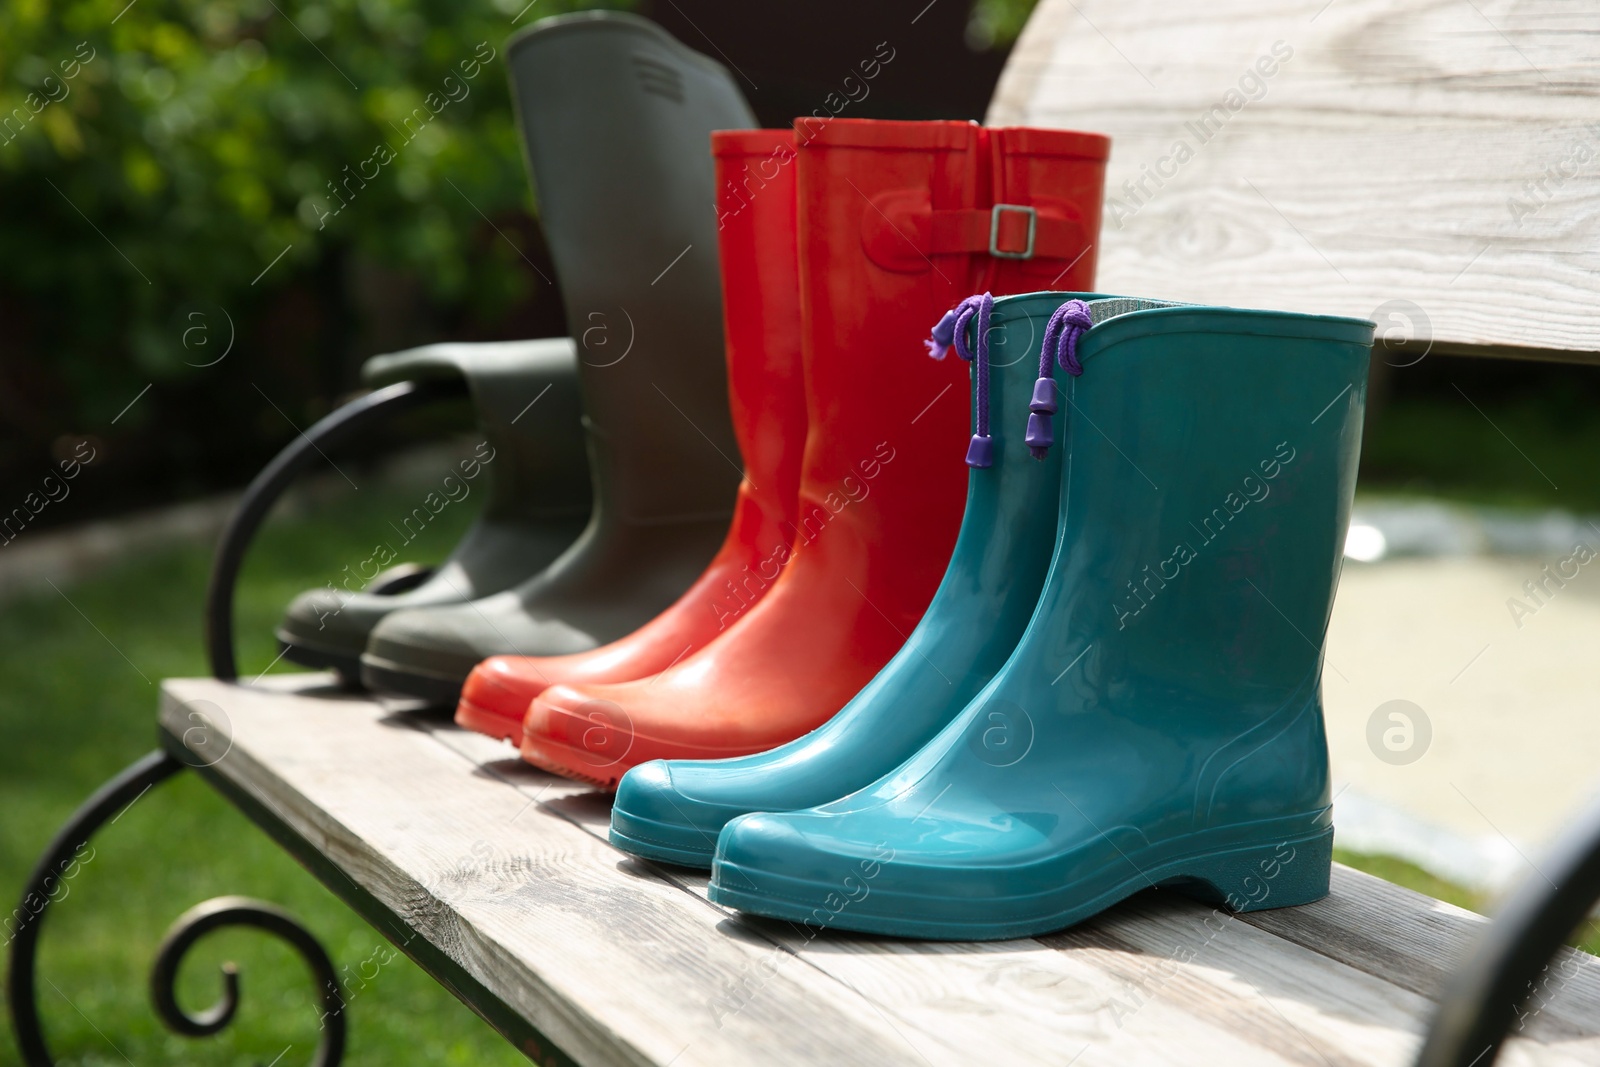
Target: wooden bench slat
535	908
505	870
1386	158
1414	941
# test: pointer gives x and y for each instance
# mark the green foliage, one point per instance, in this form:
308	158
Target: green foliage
997	23
202	138
1510	451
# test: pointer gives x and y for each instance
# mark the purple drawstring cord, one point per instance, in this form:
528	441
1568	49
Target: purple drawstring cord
952	330
1070	322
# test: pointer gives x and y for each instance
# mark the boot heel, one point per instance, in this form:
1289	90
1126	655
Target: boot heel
1278	875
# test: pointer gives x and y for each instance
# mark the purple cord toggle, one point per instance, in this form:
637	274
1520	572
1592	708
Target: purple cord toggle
1069	322
1039	437
944	335
1044	397
952	330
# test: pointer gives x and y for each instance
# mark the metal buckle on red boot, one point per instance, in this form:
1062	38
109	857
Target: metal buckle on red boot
994	231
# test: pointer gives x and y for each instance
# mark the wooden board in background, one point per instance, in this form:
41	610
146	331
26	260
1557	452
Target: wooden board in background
1374	160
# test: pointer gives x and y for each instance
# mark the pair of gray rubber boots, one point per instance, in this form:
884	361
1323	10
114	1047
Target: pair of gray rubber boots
611	459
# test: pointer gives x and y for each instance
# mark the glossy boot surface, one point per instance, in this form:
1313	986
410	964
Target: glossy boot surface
761	318
673	810
1165	696
616	117
530	481
895	224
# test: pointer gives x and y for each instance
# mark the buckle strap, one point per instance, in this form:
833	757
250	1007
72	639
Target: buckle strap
1006	231
996	213
899	231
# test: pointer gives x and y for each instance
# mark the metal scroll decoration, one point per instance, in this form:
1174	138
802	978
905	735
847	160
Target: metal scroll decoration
59	858
47	876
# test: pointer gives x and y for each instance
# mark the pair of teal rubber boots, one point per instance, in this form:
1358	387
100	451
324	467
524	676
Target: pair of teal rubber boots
1117	685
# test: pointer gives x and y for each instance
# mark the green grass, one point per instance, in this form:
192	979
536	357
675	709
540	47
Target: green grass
74	710
1401	872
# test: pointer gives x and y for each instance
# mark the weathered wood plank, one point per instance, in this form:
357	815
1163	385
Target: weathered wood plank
1337	156
505	869
1162	950
1367	924
1414	941
614	965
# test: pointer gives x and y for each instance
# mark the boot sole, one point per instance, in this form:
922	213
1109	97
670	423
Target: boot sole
1225	877
385	676
678	857
572	763
479	719
661	844
579	763
347	664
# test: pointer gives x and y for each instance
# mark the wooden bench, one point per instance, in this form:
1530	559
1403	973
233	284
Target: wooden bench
497	878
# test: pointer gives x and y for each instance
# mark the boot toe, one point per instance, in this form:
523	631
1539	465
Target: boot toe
653	818
799	846
326	627
580	736
443	642
778	865
496	695
579	730
868	871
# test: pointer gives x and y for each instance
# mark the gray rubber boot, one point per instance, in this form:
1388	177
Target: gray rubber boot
617	118
530	465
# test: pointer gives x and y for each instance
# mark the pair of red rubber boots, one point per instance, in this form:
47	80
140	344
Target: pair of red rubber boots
841	244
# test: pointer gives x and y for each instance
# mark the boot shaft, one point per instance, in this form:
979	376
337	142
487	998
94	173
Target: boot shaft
755	176
1208	473
1211	464
616	118
1009	525
1172	665
534	456
1060	175
897	222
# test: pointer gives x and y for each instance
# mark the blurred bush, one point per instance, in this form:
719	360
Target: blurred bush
995	23
212	210
157	157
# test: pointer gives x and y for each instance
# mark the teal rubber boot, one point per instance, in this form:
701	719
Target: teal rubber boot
1165	693
672	810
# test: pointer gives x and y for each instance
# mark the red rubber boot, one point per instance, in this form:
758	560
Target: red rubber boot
897	222
761	320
